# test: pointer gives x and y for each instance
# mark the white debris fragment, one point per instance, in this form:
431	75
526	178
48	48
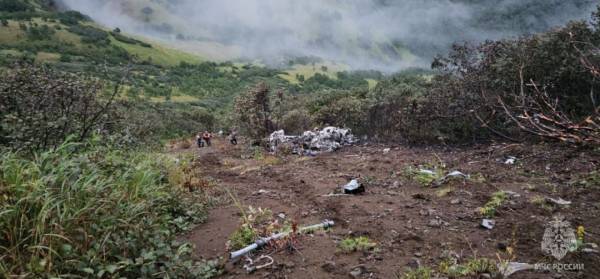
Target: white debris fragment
488	223
424	171
510	160
513	267
457	174
387	150
559	201
354	187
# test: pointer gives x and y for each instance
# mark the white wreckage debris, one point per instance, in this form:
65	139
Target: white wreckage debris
312	142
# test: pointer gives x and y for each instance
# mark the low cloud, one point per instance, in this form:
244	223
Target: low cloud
379	34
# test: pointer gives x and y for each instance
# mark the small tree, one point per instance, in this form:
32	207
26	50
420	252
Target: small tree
253	113
40	107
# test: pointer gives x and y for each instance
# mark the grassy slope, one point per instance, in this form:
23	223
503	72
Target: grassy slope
11	36
158	54
309	71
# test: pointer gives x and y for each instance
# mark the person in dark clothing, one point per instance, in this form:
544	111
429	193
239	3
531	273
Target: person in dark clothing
199	141
233	137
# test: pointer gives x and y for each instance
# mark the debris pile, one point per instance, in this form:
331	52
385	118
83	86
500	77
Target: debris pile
311	142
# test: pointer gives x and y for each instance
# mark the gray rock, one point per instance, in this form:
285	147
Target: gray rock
414	263
357	272
329	266
435	223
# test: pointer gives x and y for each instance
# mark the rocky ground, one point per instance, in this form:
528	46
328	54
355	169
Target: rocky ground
413	223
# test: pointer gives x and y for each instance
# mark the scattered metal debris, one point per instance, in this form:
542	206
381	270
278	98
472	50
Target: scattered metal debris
558	201
252	266
488	223
263	241
510	160
512	194
450	176
312	142
513	267
354	187
428	172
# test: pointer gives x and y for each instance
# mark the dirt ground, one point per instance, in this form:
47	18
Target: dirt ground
412	224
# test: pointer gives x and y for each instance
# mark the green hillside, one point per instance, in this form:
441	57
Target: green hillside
34	31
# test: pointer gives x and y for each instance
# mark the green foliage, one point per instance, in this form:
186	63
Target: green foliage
38	33
247	233
419	273
12	6
477	77
242	237
473	267
71	17
591	180
489	209
344	112
253	113
122	38
360	244
296	121
88	210
90	35
34	114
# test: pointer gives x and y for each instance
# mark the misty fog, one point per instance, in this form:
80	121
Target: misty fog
380	34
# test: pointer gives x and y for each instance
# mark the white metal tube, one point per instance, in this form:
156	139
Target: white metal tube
263	241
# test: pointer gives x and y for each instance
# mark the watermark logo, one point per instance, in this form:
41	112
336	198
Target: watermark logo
559	238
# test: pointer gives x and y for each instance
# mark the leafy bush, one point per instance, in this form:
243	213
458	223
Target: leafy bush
40	107
253	113
419	273
12	6
91	211
90	35
485	79
489	209
39	33
122	38
71	17
362	243
296	121
347	111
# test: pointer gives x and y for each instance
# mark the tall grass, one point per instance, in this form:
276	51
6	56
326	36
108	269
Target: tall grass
89	211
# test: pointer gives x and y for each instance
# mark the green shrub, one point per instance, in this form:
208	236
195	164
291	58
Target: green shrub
419	273
12	6
71	17
122	38
91	211
489	209
90	35
296	121
242	237
362	243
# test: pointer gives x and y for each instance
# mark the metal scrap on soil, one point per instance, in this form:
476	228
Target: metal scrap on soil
313	142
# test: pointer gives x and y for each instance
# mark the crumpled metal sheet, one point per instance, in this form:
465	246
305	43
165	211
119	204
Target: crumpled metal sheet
328	139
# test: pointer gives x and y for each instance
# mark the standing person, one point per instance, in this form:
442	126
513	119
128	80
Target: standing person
206	137
233	137
199	141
